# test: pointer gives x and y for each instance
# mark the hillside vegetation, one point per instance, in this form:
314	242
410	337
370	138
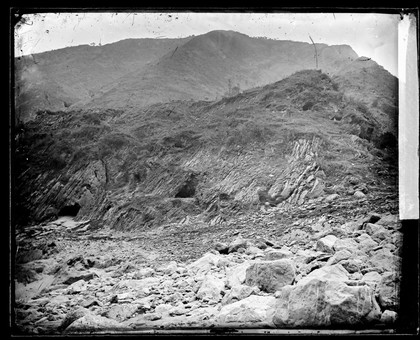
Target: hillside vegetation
55	80
139	72
181	157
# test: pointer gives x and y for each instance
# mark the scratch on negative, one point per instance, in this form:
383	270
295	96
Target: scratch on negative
174	52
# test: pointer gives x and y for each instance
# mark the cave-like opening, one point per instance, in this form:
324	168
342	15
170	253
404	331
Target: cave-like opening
188	189
70	210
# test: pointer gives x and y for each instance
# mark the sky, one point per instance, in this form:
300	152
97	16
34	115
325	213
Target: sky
371	35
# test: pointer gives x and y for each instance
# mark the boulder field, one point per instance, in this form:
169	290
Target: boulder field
86	281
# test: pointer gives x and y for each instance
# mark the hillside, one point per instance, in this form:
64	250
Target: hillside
56	79
197	68
208	214
369	83
110	162
204	67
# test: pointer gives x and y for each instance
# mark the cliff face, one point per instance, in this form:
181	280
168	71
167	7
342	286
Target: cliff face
298	141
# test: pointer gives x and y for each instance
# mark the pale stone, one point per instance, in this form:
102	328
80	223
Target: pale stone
347	244
389	317
359	194
326	244
314	302
236	275
253	310
91	322
270	276
204	263
389	290
335	272
237	293
211	288
372	277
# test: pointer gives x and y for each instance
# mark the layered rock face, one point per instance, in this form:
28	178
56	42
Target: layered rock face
171	161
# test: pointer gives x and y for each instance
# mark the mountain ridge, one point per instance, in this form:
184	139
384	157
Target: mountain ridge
81	70
87	73
204	67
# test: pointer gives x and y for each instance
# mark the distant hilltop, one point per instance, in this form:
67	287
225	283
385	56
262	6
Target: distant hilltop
138	72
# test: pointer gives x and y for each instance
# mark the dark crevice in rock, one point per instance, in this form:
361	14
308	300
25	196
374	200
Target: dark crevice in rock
188	189
70	210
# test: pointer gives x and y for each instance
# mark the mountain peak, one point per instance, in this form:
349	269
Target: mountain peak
226	33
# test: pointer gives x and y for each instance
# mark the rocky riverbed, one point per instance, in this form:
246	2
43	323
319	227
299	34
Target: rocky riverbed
319	272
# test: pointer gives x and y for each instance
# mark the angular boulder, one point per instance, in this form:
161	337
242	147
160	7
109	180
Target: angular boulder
72	316
91	323
381	235
122	312
255	251
239	242
211	288
270	276
163	310
389	317
389	221
322	303
351	265
366	243
372	228
27	292
359	194
339	256
236	275
204	263
335	272
277	254
389	291
347	244
77	287
385	260
253	311
74	276
326	244
374	277
237	293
